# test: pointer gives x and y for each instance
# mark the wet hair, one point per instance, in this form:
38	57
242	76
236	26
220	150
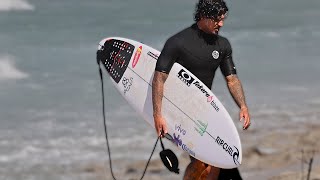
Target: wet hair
210	9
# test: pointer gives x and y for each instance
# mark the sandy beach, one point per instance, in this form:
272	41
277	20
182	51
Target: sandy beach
276	156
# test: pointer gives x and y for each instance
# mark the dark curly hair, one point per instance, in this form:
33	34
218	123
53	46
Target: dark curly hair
210	9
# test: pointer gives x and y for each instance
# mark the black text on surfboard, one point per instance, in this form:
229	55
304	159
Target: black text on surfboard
199	86
203	90
188	80
154	56
234	154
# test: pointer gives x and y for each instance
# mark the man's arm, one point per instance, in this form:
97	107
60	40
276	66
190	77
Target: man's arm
237	93
236	90
158	81
164	64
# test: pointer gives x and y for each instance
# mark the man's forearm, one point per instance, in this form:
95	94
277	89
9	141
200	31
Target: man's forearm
236	90
157	91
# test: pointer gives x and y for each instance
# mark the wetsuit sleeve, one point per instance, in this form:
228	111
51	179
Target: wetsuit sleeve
227	66
167	57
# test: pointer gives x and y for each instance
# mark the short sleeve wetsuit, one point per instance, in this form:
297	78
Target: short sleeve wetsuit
199	52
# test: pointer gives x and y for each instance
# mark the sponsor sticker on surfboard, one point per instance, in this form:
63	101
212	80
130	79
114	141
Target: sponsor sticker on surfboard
136	57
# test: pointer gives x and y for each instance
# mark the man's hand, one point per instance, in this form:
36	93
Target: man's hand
160	125
244	114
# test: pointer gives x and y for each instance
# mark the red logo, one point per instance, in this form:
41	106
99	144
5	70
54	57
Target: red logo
210	98
136	57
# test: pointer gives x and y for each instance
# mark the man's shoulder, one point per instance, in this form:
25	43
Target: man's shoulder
181	35
186	31
223	41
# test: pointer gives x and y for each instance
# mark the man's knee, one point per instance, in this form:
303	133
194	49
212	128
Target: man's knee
198	165
207	170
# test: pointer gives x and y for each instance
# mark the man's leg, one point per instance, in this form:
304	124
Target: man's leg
205	173
213	173
198	170
194	170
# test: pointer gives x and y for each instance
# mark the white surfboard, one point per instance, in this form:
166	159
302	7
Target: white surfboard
196	119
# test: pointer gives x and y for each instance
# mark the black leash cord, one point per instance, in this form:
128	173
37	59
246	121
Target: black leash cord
105	129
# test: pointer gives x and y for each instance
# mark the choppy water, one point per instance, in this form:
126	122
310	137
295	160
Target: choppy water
50	102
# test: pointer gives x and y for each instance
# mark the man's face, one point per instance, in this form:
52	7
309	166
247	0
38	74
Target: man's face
214	25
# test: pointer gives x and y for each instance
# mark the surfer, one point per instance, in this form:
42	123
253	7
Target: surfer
201	50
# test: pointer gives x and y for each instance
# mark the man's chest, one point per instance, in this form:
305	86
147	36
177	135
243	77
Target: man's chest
200	55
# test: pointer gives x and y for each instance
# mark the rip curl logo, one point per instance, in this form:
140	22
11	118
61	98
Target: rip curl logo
185	77
126	84
234	154
215	54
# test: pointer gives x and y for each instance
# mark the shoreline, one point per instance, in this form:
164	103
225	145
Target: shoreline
275	156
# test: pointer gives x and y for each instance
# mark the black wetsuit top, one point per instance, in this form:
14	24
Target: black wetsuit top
199	52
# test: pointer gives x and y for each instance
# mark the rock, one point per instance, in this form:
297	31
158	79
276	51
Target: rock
263	151
131	170
156	171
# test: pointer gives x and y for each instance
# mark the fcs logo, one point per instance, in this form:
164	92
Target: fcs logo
185	77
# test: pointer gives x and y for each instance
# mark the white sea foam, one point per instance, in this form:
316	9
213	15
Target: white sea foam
20	154
16	5
273	34
8	69
294	88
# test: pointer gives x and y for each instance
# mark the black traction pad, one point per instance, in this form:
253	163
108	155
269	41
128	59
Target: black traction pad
115	56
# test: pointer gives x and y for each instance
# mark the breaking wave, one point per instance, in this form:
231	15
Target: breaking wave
8	69
16	5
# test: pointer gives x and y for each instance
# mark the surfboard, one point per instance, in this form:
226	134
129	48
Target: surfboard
196	119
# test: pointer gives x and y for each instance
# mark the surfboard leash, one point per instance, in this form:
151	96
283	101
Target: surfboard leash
105	126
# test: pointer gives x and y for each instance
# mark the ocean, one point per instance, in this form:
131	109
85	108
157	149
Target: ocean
50	99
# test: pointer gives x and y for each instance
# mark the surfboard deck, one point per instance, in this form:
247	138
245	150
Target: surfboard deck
196	119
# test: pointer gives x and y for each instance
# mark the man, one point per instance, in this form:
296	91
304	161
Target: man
201	50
